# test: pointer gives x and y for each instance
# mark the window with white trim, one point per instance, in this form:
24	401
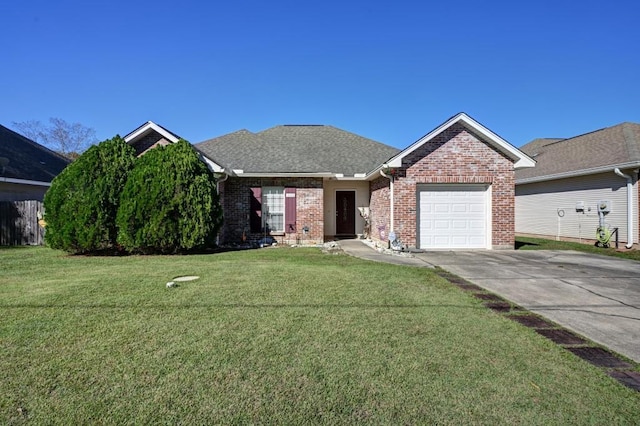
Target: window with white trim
273	208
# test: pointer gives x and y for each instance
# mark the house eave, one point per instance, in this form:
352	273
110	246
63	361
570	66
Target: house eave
212	165
24	181
242	173
354	177
577	173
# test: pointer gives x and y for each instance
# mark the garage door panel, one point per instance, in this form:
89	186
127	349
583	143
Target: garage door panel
453	217
441	224
477	242
459	224
477	225
458	240
442	240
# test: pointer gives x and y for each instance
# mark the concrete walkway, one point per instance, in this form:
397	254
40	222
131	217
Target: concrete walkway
596	296
358	248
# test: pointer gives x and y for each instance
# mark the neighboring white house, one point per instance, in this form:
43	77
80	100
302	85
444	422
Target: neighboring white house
559	197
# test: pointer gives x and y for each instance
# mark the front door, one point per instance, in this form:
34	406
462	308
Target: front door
345	213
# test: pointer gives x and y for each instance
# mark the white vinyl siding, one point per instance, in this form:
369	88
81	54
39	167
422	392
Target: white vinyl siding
538	204
273	208
453	216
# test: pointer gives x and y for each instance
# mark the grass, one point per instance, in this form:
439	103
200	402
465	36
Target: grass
288	336
529	243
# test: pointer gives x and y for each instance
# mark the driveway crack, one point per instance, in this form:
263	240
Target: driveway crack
599	295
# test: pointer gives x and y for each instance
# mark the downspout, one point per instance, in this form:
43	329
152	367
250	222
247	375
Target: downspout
629	206
218	182
390	177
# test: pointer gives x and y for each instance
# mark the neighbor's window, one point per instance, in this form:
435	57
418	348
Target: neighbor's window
273	208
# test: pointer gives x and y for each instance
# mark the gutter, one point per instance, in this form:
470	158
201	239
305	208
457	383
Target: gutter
629	206
576	173
390	177
24	181
242	173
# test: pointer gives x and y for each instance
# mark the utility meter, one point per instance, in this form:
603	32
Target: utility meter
604	206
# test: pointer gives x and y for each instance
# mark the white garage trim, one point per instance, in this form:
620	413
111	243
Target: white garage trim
453	216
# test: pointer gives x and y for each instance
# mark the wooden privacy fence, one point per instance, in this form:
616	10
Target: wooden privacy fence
19	223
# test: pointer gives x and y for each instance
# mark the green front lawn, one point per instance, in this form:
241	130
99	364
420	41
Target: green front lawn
288	336
528	243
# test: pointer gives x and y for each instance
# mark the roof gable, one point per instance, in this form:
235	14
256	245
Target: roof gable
148	136
22	159
597	151
149	127
519	158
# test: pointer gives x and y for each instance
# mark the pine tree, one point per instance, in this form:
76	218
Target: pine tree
82	203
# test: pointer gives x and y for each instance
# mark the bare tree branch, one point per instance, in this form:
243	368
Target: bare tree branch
68	139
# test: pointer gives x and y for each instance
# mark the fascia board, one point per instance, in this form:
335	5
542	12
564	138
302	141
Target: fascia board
375	173
355	177
577	173
212	165
24	181
242	173
150	125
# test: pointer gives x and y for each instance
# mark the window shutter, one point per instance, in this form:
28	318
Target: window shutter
255	209
290	210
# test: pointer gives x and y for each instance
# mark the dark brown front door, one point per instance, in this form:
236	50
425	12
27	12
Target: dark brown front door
345	213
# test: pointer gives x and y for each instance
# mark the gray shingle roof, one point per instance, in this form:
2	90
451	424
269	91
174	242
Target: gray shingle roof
26	159
611	146
297	149
533	147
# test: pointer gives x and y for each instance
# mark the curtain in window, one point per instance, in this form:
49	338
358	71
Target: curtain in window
273	208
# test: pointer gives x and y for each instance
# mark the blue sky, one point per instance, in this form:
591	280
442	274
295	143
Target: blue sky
389	71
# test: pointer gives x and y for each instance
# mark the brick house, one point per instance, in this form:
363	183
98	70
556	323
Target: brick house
451	189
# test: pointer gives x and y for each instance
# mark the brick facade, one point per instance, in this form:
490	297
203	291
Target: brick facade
235	196
148	142
380	208
457	155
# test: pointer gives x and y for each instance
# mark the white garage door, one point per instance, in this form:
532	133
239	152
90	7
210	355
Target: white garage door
453	216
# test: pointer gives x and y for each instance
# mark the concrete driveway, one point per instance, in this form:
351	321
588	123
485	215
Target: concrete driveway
596	296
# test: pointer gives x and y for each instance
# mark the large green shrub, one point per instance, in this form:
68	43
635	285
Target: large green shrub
82	202
169	203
